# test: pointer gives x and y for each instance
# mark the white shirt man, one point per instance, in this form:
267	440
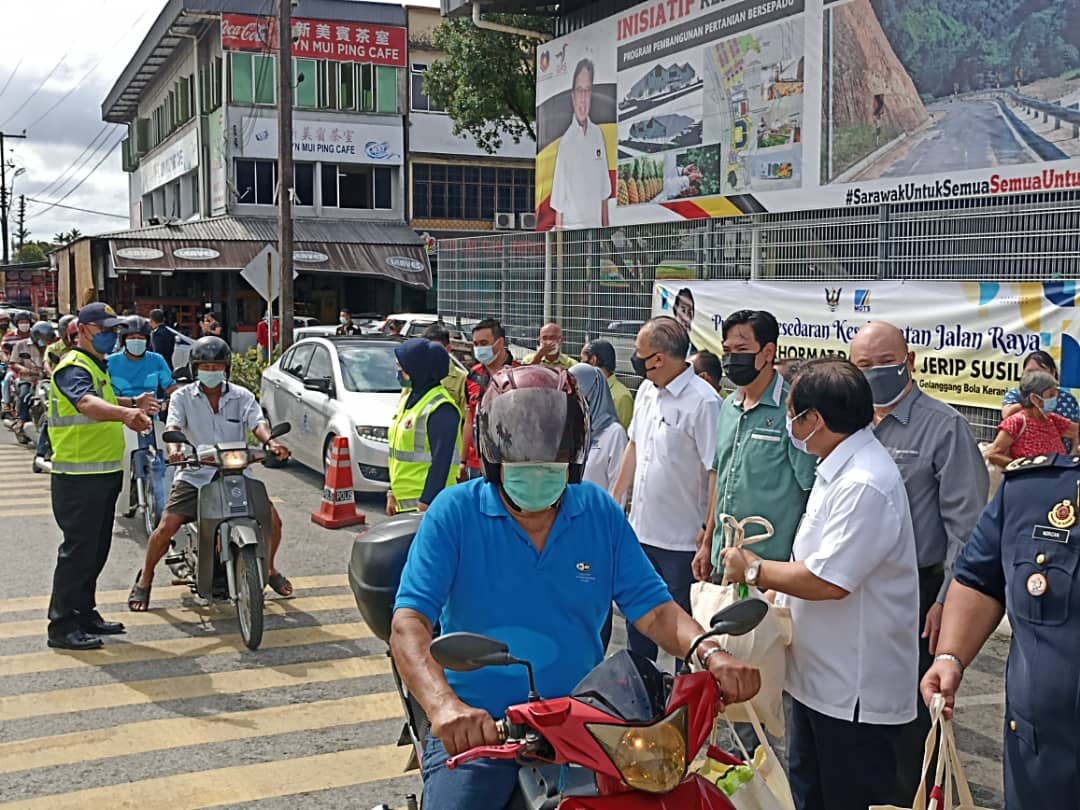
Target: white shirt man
581	184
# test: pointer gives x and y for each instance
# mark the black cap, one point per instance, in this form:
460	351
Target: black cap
604	353
99	313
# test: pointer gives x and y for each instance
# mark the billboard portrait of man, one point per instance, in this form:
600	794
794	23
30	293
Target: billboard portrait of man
582	184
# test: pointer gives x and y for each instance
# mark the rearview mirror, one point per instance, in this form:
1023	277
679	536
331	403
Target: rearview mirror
465	652
174	437
320	384
280	429
739	618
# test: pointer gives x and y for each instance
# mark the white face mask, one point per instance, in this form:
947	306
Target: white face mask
799	444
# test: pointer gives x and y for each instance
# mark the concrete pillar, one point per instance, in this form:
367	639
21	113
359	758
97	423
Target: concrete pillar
1057	123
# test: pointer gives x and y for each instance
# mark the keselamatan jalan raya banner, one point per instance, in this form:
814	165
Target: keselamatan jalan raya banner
681	109
969	337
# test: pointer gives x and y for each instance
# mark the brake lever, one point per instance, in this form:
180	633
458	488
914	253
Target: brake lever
506	751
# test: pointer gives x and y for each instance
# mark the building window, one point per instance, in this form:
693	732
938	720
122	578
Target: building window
304	183
251	78
306	83
256	181
420	100
357	186
468	192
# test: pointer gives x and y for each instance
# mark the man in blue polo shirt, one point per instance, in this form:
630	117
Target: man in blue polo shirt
524	557
133	371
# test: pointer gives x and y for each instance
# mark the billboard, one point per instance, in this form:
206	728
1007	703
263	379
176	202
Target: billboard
970	338
715	108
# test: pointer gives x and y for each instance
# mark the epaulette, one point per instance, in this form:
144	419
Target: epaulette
1041	462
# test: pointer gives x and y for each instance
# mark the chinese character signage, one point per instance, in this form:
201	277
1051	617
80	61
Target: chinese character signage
332	141
701	108
318	39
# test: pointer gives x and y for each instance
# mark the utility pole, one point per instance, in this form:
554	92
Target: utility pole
285	168
4	206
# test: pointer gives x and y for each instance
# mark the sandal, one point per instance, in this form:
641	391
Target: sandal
139	598
280	584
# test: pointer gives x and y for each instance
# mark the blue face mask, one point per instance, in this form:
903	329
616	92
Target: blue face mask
1049	404
211	379
485	354
103	342
135	346
343	321
535	487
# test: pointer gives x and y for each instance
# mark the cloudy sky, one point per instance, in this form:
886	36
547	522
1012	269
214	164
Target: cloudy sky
58	60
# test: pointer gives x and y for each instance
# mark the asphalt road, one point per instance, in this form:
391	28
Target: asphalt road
178	714
968	135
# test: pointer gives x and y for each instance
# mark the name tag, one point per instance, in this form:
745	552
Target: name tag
765	437
1050	533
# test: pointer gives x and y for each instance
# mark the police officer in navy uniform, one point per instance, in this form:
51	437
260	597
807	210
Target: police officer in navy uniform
1024	558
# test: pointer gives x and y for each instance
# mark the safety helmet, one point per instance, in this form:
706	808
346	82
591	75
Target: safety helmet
43	330
64	325
532	413
135	325
210	349
22	315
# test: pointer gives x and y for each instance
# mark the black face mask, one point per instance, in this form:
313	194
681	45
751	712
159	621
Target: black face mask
740	368
639	364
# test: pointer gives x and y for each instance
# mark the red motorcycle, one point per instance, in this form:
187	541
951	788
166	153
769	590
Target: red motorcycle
629	730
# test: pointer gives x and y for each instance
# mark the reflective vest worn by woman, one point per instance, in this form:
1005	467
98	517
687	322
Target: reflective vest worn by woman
410	448
81	445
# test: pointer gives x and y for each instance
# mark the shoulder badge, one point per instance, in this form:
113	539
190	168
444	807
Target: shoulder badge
1028	463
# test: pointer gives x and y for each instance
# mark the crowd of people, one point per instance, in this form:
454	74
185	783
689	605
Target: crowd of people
873	489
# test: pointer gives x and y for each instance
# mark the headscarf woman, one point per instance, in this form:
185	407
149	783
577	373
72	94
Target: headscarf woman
607	437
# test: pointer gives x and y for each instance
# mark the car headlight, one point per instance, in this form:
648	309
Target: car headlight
649	758
233	460
373	432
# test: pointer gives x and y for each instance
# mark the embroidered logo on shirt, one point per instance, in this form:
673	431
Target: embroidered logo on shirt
584	572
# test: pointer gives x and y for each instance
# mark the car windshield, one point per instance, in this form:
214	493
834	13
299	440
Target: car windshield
369	369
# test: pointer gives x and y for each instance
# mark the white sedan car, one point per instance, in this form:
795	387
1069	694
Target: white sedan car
337	386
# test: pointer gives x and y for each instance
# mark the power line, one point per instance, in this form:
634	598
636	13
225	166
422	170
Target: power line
95	66
37	89
86	177
84	157
14	70
76	208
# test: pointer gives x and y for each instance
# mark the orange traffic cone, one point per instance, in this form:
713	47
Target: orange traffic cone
338	509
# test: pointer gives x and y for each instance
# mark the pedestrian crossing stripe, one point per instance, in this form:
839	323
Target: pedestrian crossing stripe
161	735
193	617
188	687
235	784
116	653
105	599
14	513
17	489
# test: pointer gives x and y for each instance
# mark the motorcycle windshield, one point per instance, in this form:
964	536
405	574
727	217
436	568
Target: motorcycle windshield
626	686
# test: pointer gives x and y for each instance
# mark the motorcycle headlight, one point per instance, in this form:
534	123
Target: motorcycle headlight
233	460
373	432
649	758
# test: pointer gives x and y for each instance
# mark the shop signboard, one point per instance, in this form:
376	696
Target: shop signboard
340	41
174	160
326	140
970	338
697	108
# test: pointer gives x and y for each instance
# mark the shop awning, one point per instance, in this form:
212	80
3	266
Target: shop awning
385	250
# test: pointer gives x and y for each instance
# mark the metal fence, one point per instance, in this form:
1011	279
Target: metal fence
599	282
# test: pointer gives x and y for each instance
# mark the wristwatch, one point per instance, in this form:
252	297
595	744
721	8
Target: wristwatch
950	657
752	572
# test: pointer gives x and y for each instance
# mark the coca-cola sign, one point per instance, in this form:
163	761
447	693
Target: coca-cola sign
318	39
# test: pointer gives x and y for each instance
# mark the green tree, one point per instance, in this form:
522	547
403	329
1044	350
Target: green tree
487	81
29	252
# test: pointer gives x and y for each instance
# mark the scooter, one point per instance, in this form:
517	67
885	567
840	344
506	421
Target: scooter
223	554
622	740
629	730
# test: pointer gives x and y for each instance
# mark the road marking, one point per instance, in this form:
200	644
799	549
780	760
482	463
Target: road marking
236	784
114	653
30	497
17	489
12	513
195	617
105	598
186	687
161	735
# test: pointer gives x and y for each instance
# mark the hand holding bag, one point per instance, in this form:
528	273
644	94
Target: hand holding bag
764	647
949	769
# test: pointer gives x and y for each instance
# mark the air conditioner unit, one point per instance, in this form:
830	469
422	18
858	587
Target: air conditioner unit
504	221
527	221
